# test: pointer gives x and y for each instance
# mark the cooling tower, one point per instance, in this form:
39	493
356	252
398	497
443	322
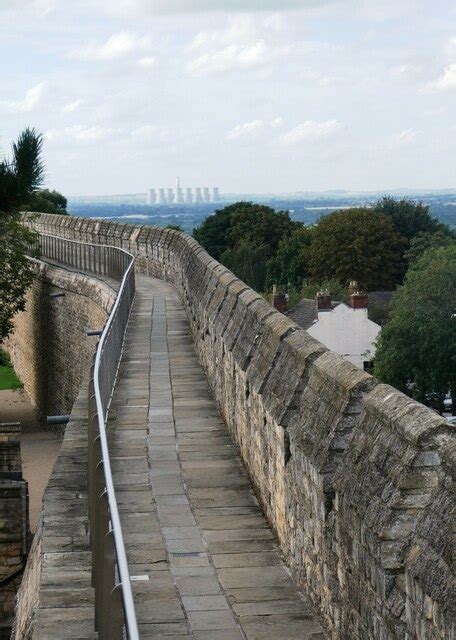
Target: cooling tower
170	193
161	196
206	195
188	196
179	192
198	196
151	197
215	194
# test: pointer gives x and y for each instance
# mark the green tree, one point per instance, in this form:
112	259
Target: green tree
248	262
290	265
20	177
45	201
409	217
257	224
212	232
416	350
356	244
260	225
427	240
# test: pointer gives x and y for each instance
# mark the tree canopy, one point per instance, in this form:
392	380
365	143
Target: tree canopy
20	176
416	350
245	237
355	244
428	240
409	217
46	201
290	265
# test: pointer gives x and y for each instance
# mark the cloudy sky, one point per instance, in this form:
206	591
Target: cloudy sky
250	95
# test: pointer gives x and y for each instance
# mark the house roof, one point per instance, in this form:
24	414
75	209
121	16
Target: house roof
305	312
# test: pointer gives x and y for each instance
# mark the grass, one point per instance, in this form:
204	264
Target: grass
8	377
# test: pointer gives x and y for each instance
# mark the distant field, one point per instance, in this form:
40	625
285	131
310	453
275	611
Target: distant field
8	377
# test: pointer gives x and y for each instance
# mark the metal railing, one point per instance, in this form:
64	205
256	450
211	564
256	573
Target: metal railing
115	616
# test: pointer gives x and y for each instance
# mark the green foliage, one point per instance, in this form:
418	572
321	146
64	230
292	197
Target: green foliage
20	177
16	270
45	201
243	221
248	262
245	236
379	312
355	244
8	377
409	217
212	232
416	350
290	265
427	240
259	225
175	227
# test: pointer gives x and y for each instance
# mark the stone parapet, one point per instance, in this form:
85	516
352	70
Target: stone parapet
355	477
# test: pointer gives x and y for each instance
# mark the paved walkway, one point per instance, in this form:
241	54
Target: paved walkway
204	559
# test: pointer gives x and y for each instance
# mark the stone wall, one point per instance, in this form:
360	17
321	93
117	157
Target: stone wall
14	528
49	346
355	477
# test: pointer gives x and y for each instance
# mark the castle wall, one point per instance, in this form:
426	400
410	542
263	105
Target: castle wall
49	346
355	477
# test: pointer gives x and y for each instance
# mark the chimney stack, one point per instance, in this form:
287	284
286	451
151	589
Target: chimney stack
359	300
323	299
279	300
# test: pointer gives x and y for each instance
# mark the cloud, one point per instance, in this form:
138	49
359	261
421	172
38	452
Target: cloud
147	62
247	42
157	7
70	107
82	134
405	137
316	78
32	98
310	130
253	129
119	45
149	133
235	57
446	82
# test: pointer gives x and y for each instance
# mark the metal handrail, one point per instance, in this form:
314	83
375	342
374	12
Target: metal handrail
115	614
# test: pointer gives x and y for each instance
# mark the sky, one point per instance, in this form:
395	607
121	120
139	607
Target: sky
254	96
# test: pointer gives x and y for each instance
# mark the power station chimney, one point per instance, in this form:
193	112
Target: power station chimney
179	192
198	196
161	196
170	192
206	195
188	196
215	194
151	197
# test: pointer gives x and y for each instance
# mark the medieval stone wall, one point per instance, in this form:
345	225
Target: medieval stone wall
14	528
49	346
355	477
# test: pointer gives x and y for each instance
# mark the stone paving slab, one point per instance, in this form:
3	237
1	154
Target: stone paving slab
207	563
193	527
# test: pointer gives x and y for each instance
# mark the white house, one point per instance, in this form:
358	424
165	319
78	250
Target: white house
345	329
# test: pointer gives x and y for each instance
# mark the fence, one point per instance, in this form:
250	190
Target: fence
115	616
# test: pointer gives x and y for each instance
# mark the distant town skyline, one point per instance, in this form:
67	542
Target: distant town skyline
276	96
